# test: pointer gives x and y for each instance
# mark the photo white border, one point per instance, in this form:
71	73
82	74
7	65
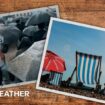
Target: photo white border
31	10
45	49
21	12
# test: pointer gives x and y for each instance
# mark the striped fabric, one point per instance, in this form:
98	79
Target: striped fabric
55	78
87	68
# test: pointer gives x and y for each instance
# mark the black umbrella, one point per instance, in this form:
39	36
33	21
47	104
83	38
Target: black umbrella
30	30
10	35
27	41
40	17
26	38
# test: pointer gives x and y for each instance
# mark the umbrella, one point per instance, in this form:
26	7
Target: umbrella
30	30
53	62
40	17
26	65
52	12
10	35
39	35
12	24
27	36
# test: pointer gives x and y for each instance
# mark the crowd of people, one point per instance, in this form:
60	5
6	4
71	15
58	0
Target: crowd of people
21	32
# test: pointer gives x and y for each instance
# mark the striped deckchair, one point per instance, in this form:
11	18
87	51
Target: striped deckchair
55	78
88	68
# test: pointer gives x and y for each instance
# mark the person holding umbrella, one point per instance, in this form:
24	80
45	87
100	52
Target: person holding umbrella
42	20
26	39
29	33
33	31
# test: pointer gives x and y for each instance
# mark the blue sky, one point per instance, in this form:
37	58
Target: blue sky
65	39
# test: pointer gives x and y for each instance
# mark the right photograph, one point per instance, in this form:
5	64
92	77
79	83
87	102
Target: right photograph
73	61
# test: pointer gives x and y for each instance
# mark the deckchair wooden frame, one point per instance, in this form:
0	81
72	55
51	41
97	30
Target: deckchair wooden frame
99	66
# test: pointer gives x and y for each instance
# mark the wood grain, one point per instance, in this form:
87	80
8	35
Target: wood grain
85	11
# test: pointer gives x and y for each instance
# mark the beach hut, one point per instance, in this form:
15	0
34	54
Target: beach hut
88	70
56	66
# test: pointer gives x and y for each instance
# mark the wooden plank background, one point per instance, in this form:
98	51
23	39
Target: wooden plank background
85	11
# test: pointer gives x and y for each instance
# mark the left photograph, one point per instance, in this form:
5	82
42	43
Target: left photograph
22	39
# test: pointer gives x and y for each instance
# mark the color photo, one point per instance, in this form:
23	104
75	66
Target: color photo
73	60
